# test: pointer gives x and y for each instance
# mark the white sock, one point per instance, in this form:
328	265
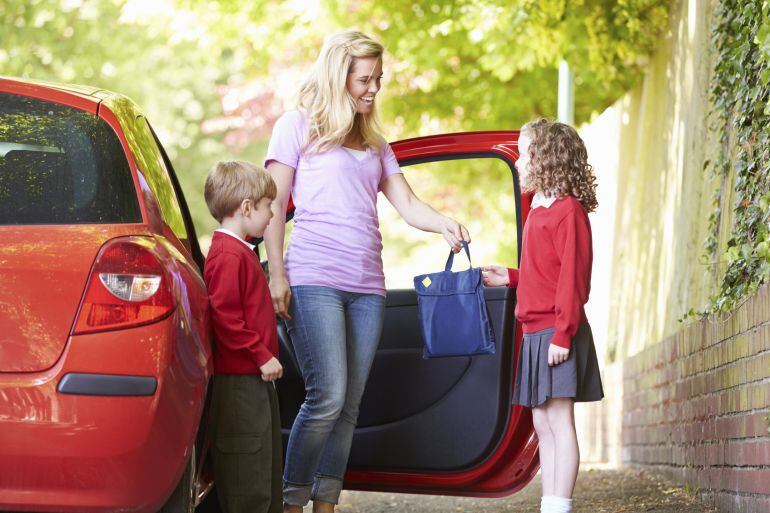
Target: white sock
559	505
547	504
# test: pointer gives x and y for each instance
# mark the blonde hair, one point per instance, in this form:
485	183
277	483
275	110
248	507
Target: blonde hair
230	182
558	162
324	96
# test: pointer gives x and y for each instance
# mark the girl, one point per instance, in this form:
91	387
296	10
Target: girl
557	363
331	289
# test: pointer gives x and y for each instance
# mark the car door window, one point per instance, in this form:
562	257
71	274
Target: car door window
477	191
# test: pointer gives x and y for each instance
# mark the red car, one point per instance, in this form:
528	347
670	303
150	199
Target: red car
105	350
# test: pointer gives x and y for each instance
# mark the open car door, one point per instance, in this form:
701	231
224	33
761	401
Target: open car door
441	426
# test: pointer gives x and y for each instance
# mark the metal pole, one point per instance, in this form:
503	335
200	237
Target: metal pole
566	112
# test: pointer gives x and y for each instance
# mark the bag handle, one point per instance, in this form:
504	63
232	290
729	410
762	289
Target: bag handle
450	260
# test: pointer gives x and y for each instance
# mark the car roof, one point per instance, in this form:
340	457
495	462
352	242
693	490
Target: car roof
81	96
73	88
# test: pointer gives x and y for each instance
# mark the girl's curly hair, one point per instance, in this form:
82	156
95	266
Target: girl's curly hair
558	162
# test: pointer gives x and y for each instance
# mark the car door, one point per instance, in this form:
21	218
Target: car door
442	426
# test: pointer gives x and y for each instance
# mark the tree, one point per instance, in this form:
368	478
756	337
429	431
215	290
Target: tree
212	76
157	58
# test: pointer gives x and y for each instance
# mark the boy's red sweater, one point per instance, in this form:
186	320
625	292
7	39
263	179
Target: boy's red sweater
241	309
554	278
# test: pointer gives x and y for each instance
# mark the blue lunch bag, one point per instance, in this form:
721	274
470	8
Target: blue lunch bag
452	313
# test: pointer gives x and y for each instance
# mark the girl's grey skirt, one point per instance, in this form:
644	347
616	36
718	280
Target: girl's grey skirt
577	377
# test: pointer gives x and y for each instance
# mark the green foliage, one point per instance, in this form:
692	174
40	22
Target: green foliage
451	65
740	95
460	64
154	56
492	64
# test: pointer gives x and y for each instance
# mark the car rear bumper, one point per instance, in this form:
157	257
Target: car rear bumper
83	383
96	453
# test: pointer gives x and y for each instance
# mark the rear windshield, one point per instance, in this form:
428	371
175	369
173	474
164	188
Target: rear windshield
60	165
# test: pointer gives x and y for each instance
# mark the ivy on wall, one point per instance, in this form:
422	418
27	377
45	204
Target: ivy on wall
740	120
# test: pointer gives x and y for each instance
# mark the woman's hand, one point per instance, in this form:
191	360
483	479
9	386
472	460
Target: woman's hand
495	275
280	293
557	355
454	233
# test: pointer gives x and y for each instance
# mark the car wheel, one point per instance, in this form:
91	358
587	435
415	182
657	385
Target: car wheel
183	498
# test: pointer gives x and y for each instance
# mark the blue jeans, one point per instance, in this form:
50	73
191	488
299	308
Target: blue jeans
335	336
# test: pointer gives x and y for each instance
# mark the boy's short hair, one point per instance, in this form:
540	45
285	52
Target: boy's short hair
230	182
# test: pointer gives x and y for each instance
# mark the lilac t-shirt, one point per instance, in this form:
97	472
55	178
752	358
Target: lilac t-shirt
336	240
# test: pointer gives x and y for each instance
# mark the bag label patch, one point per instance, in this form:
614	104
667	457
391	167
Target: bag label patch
426	281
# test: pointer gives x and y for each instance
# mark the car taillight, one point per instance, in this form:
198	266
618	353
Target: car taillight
128	286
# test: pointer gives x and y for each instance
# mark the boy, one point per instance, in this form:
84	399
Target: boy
246	431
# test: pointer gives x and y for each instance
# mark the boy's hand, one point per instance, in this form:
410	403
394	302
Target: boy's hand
556	355
271	370
495	275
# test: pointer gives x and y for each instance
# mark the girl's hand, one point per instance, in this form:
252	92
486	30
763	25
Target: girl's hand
280	293
495	275
454	233
556	355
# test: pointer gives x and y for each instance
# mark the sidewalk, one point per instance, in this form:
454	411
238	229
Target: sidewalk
597	491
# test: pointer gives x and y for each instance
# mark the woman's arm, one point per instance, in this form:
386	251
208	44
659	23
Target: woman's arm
275	232
420	215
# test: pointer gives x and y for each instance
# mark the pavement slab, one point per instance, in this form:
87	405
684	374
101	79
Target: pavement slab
596	491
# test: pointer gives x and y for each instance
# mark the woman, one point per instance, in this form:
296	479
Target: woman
330	289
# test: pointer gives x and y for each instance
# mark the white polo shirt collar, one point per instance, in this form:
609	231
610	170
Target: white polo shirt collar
541	200
233	234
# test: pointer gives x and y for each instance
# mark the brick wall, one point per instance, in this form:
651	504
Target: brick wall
696	406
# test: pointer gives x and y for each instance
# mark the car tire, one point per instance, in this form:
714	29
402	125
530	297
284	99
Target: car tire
183	498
